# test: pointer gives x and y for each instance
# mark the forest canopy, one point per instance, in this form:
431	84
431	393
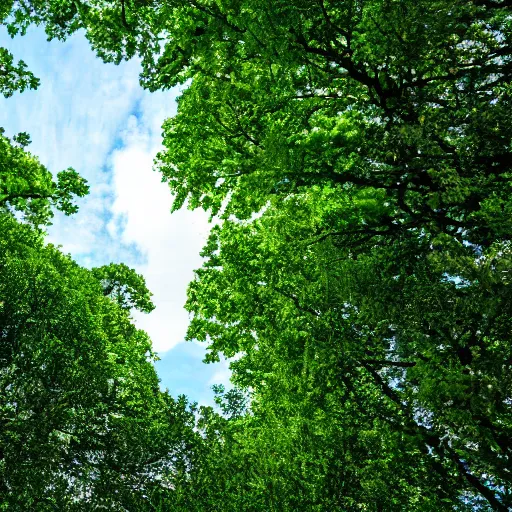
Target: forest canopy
356	157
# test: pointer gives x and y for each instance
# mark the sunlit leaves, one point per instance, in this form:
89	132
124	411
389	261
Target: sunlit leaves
26	186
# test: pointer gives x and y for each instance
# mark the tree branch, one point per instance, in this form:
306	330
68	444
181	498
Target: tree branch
295	300
7	198
434	441
398	364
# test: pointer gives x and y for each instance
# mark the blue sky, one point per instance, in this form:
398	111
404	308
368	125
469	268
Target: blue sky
96	118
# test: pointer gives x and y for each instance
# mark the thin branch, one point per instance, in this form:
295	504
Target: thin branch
123	16
434	441
7	198
398	364
295	300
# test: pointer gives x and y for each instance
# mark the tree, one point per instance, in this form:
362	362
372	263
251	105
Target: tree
358	154
27	187
416	352
84	422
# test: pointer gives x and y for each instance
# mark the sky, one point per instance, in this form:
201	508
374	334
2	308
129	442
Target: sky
96	118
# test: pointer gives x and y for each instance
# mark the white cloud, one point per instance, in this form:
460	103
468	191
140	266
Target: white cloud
222	375
169	243
73	119
96	118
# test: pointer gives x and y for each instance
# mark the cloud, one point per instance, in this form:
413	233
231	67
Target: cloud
96	118
73	119
170	244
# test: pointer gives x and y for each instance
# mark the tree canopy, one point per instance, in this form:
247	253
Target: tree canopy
356	155
83	422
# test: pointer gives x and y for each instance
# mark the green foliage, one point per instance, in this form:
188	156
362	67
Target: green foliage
27	187
14	77
124	286
373	139
384	335
83	422
358	155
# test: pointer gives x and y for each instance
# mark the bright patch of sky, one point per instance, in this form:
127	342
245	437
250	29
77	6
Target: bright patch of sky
96	118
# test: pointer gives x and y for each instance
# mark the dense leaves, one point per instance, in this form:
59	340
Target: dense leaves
83	420
124	286
28	188
431	349
357	157
14	77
